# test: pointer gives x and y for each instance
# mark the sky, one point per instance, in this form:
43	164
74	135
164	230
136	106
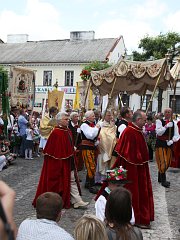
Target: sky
54	19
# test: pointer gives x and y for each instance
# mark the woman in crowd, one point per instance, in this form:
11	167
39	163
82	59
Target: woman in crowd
118	214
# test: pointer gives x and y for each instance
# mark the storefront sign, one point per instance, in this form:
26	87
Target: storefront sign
44	89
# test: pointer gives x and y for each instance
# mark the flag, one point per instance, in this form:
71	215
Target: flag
55	99
77	98
90	100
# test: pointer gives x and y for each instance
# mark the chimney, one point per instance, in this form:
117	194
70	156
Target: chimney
17	38
82	35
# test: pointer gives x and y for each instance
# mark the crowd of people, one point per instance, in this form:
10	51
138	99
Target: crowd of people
115	154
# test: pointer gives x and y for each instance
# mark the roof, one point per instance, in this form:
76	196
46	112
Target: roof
57	51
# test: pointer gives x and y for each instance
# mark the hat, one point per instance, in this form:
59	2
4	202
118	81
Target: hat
117	175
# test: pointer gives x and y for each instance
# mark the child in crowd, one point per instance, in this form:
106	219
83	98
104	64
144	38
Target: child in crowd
36	137
29	142
5	151
115	178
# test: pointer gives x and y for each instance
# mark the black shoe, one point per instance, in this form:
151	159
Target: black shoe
94	190
159	177
5	167
165	184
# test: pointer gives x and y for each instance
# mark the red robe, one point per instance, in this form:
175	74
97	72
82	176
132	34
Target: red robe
133	156
175	163
56	170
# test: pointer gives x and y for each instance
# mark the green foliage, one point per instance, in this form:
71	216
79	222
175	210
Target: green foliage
156	47
3	79
93	66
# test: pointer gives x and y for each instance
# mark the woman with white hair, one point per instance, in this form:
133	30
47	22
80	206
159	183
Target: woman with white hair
89	134
58	169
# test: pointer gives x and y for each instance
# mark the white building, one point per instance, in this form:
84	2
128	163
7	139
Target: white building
59	60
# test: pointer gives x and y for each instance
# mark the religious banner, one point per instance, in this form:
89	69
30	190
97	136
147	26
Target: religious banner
55	99
82	88
22	87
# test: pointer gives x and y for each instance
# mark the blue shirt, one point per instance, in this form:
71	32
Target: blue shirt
22	123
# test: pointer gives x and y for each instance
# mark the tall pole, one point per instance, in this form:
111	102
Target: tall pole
155	87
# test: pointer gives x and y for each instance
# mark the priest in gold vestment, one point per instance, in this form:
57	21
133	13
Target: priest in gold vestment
107	142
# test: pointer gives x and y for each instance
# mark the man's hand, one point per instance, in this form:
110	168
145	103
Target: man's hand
7	196
170	142
78	130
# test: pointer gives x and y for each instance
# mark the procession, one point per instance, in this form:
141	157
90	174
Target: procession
89	137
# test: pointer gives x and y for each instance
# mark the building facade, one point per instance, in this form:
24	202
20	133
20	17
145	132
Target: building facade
59	60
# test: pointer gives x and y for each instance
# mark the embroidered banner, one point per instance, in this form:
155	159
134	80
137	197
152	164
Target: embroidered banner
22	86
55	99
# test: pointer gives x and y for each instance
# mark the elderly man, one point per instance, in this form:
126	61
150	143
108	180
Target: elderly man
133	155
89	134
167	134
106	146
58	171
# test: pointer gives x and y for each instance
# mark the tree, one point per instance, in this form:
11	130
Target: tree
156	48
93	66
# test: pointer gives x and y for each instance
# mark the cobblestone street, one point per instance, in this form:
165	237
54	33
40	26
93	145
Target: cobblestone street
23	177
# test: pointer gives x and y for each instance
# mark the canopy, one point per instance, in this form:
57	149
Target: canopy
175	70
132	77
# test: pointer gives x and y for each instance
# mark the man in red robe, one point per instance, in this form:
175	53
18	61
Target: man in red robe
59	170
133	156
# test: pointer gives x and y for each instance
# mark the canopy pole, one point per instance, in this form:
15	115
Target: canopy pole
120	102
87	91
155	87
174	93
83	109
142	101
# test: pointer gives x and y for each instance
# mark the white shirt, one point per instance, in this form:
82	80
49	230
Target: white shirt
100	205
89	132
160	130
41	229
29	134
121	128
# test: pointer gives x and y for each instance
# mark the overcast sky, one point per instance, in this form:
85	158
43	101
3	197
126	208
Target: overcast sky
54	19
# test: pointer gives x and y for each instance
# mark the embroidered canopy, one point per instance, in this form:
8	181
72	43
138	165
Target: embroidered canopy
132	77
175	70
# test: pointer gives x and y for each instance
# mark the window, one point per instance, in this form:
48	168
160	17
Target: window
47	78
125	99
177	103
146	101
69	78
